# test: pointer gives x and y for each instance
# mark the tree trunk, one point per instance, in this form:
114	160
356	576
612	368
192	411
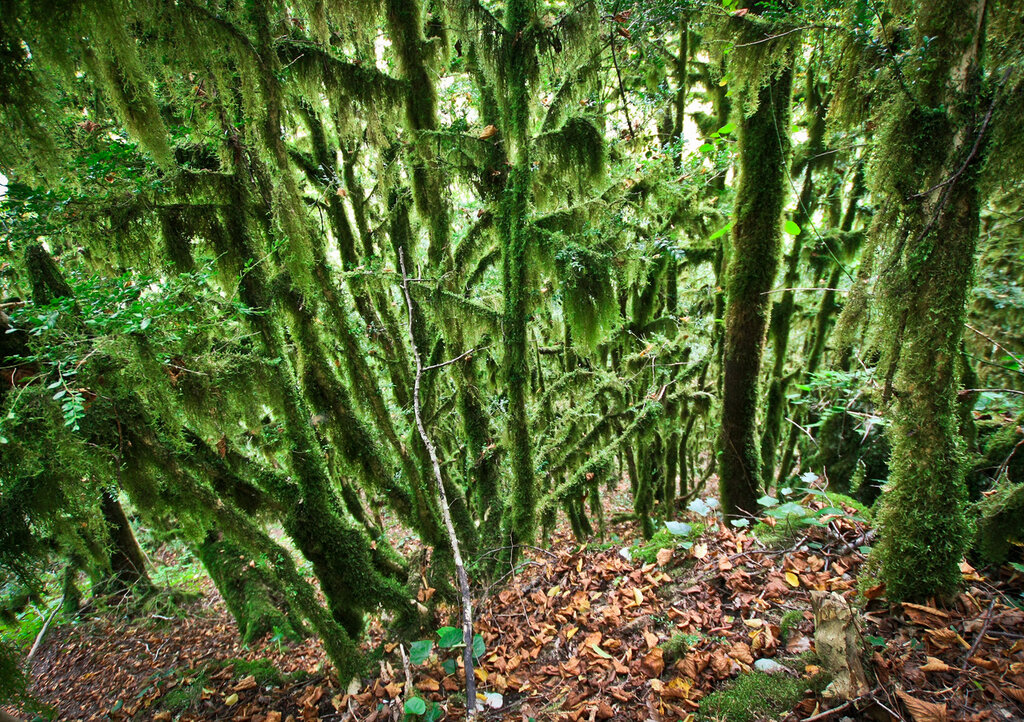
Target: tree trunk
754	260
127	564
928	169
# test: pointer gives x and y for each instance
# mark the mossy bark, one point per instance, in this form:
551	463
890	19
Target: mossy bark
247	589
127	563
515	236
932	148
753	262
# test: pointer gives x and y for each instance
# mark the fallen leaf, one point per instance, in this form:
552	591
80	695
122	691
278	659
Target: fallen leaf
792	579
875	592
741	653
247	683
651	639
653	663
935	664
925	616
231	699
489	132
664	556
699	551
922	711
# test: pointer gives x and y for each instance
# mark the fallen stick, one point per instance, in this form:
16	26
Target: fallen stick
46	625
981	633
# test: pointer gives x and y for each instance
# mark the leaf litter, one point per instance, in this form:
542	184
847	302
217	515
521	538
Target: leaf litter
582	633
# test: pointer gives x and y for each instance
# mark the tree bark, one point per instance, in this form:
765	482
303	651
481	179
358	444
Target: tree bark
754	261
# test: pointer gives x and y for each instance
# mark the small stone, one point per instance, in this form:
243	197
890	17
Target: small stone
770	666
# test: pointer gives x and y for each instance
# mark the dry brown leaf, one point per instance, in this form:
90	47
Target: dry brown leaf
651	639
721	665
664	556
489	132
741	653
935	664
925	616
875	592
922	711
942	638
428	684
653	663
247	683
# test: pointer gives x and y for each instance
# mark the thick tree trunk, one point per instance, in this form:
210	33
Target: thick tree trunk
754	260
127	563
933	153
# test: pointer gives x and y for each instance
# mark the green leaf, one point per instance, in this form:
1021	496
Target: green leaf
419	651
678	528
478	646
434	713
145	323
727	128
792	228
768	501
415	705
449	666
706	147
721	232
739	523
450	637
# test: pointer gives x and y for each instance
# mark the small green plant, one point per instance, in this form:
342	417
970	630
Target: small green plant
417	708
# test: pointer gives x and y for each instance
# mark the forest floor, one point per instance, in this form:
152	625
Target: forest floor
674	630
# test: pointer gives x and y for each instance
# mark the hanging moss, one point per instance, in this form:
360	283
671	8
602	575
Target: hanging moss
588	300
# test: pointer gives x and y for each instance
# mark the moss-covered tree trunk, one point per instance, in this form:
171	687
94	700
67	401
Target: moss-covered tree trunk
926	169
252	595
753	263
514	233
127	563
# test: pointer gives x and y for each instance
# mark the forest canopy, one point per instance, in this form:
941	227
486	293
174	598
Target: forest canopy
287	281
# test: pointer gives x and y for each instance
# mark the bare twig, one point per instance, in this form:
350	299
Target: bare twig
460	568
454	360
408	689
981	634
996	344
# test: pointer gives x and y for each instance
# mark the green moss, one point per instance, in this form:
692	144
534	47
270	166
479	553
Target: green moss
678	645
789	622
262	670
184	696
1000	521
647	552
755	696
